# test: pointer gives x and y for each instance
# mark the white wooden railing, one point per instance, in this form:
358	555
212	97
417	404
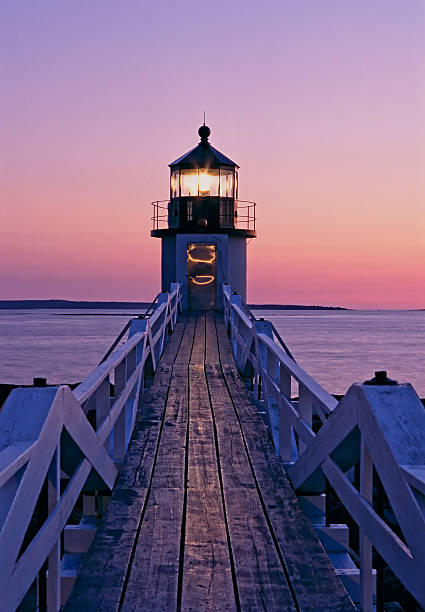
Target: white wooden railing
53	436
377	427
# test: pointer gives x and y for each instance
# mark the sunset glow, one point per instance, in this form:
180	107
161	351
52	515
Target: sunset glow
320	103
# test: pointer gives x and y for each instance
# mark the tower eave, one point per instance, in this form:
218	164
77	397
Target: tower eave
242	233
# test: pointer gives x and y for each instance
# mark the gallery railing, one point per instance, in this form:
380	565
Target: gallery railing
160	214
378	429
244	212
60	449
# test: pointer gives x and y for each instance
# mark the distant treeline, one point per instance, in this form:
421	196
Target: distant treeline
292	307
71	304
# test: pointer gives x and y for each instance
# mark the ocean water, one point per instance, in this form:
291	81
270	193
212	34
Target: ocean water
335	347
339	347
60	345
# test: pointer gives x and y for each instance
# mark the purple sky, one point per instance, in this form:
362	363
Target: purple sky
320	102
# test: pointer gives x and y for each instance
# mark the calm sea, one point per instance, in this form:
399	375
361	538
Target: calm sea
335	347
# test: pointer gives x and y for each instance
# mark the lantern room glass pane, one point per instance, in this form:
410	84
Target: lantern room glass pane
189	183
226	183
174	185
208	182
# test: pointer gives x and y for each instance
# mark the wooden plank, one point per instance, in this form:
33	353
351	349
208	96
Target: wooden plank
170	463
153	580
183	355
234	464
261	580
207	576
207	579
198	348
211	344
307	565
173	345
223	340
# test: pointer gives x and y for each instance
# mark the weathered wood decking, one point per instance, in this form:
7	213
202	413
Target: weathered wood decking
203	516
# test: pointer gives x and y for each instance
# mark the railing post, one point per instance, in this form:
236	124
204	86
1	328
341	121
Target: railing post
263	327
130	367
271	365
234	299
102	405
163	298
102	402
285	429
174	287
271	370
119	429
366	490
305	410
54	559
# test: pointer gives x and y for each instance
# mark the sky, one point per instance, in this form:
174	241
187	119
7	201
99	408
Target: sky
320	102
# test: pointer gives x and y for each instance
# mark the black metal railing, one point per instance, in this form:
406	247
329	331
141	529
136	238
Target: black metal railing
244	215
160	214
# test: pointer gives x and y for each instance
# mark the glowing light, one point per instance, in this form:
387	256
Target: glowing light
205	183
194	183
207	261
208	278
204	246
189	183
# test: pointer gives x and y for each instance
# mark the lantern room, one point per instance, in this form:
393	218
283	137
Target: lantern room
203	188
203	172
204	226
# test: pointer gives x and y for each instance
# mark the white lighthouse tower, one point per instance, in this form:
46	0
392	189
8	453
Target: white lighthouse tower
204	227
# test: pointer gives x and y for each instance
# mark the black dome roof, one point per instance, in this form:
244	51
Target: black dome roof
203	155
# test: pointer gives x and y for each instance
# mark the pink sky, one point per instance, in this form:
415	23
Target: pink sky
321	103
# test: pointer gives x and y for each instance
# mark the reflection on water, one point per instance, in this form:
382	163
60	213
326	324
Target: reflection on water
335	347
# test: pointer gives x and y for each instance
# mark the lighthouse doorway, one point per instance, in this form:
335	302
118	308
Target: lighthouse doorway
202	276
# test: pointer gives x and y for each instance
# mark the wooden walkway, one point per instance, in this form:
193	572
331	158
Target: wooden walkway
203	516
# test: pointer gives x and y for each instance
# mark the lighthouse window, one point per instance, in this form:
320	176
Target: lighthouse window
189	183
174	186
189	211
173	214
226	183
226	213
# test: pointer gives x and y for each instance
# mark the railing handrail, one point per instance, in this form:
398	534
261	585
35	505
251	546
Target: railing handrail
83	391
34	449
389	421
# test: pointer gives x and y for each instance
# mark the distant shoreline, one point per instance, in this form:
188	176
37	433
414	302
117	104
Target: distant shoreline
81	305
293	307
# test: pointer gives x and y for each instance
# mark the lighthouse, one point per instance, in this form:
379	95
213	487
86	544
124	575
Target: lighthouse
204	227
